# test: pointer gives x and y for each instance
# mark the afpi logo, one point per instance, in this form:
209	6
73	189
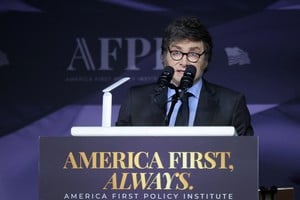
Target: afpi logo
108	51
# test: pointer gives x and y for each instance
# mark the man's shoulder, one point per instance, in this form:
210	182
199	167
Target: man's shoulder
143	87
220	89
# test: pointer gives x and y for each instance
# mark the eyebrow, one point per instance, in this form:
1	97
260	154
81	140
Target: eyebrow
191	49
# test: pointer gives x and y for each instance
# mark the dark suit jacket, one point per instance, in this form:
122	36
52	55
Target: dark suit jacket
218	106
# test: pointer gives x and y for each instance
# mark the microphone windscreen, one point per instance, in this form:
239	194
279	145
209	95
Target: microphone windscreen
165	77
191	69
188	77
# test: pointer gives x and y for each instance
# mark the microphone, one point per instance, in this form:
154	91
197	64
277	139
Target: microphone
165	77
188	78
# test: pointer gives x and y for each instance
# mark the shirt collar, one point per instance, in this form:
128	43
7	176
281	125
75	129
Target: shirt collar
195	89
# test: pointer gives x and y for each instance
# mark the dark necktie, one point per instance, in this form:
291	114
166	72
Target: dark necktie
182	118
174	100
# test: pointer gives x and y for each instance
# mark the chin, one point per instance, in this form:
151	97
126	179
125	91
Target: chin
175	82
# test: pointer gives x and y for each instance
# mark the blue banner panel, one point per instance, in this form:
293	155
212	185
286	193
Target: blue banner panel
146	168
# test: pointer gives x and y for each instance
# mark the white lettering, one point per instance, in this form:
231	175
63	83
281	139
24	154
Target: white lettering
105	53
114	49
82	53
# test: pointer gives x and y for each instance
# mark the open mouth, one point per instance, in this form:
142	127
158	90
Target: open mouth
180	71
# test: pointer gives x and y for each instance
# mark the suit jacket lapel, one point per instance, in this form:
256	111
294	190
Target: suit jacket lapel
207	105
158	106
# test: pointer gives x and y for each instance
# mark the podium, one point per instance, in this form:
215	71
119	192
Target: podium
274	193
144	166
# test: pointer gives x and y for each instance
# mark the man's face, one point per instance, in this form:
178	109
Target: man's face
179	66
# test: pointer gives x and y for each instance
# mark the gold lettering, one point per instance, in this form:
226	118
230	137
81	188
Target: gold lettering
113	160
169	180
198	160
209	157
224	156
84	160
112	182
148	181
123	182
196	157
104	160
118	160
141	180
183	181
156	160
137	160
156	182
146	160
70	161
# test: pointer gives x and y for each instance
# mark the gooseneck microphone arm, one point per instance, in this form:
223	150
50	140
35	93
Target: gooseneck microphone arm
173	101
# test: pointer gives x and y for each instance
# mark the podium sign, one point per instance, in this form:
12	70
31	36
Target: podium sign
147	168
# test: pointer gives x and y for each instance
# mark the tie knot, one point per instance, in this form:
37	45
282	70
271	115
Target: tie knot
185	96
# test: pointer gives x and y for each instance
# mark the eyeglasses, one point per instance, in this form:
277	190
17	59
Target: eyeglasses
191	56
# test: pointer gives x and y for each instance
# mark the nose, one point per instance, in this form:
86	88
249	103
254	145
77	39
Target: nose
184	61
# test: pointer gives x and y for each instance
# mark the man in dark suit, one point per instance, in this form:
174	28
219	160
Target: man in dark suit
186	42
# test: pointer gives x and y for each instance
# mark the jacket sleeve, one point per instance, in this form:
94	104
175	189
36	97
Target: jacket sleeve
124	118
241	117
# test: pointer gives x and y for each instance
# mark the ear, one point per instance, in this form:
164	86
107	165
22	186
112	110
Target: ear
205	65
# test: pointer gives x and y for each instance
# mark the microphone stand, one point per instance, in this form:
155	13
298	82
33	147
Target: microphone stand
174	100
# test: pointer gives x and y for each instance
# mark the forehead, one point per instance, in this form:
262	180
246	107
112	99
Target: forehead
187	45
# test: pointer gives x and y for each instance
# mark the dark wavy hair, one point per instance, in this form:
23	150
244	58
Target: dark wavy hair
187	28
